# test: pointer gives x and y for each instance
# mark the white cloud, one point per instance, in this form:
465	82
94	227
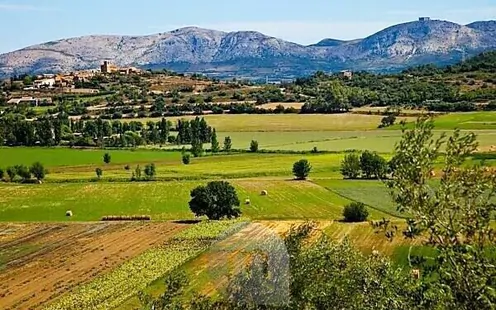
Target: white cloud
296	31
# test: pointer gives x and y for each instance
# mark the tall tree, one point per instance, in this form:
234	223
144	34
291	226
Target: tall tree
214	142
227	144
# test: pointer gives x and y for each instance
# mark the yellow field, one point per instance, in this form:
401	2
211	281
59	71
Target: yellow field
286	122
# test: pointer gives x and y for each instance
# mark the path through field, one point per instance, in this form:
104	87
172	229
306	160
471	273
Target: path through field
40	262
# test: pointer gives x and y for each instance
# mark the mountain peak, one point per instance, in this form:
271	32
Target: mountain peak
251	53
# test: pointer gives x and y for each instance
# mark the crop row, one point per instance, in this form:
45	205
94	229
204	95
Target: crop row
110	290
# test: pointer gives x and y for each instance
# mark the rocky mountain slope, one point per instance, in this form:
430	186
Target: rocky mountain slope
248	53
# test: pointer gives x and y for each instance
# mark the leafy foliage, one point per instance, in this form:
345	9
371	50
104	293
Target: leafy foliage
254	146
186	158
99	172
216	200
454	217
150	171
350	166
214	142
227	144
107	158
373	165
38	171
301	169
355	212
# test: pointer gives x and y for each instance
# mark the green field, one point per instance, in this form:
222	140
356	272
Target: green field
163	200
465	120
372	193
54	157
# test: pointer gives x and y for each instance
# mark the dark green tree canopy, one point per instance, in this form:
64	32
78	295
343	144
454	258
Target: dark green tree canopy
301	169
38	171
107	158
355	212
350	166
216	200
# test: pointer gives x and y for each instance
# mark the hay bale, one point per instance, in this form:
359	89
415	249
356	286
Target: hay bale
264	193
375	253
247	201
68	213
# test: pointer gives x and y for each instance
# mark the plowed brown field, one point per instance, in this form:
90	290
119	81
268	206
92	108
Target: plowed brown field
39	262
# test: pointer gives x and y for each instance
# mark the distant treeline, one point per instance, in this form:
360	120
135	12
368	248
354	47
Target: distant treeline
52	131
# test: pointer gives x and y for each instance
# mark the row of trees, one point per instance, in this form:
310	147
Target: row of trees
51	131
24	173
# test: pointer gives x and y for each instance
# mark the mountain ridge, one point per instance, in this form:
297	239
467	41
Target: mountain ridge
255	54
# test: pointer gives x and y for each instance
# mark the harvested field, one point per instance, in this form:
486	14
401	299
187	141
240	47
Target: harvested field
43	261
274	105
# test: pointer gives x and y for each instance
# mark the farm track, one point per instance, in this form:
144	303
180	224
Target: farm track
69	255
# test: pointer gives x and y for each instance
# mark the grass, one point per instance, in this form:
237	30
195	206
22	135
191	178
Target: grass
372	193
465	121
55	157
163	200
80	165
337	141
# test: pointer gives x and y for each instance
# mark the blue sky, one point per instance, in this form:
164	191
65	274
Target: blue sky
27	22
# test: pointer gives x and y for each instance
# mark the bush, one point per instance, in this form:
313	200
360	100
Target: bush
301	169
186	158
355	212
2	174
254	146
38	171
11	172
23	172
150	171
107	158
216	200
99	172
350	167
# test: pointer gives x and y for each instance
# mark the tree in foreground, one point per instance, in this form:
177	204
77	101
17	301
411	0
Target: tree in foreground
301	169
107	158
355	212
99	173
38	171
452	214
254	146
350	166
216	200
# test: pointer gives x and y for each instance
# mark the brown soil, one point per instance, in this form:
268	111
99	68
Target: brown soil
44	261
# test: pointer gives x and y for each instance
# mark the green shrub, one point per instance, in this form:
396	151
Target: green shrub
186	158
355	212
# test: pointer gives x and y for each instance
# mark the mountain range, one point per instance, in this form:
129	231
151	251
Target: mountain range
253	54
